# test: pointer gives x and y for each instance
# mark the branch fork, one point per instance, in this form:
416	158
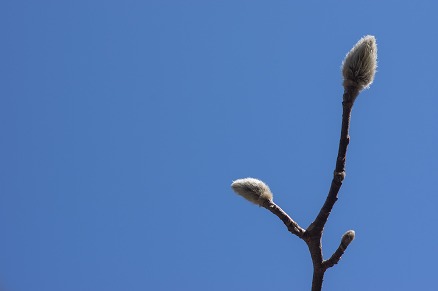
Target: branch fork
358	69
259	193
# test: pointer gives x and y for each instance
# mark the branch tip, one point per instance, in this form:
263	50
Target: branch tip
359	66
253	190
347	238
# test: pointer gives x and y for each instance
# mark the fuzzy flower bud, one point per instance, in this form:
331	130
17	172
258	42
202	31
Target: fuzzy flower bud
360	64
348	237
253	190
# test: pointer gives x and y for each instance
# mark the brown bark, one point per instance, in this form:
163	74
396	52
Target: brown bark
314	231
291	225
358	70
313	234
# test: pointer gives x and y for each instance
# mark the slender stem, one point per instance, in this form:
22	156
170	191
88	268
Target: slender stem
334	259
313	234
339	174
291	225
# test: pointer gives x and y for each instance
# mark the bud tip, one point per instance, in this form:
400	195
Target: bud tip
253	190
348	237
360	64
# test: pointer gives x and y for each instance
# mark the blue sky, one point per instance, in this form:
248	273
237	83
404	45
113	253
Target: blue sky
123	124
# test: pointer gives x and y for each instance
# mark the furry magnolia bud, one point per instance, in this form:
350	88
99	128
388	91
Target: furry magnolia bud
348	237
360	64
253	190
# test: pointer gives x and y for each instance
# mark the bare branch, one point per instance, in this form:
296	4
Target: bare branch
318	278
339	174
257	192
313	233
358	69
347	238
291	225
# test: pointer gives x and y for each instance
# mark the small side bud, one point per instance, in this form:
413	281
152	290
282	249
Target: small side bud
360	64
253	190
339	176
347	238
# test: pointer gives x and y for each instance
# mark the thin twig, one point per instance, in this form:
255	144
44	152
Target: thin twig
339	174
313	233
291	225
334	259
358	70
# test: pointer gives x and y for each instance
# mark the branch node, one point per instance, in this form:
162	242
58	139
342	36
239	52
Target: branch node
339	176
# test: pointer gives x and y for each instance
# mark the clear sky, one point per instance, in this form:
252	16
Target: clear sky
123	124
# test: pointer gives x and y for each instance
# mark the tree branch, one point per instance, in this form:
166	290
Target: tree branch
358	70
313	233
347	238
339	174
334	259
259	193
291	225
318	278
